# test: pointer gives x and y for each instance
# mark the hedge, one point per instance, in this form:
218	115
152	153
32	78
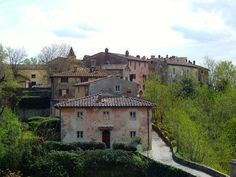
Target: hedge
34	103
100	163
78	146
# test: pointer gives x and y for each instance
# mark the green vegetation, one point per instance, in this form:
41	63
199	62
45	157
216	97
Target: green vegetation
101	163
199	119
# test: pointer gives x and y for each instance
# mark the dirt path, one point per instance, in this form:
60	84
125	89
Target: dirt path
162	153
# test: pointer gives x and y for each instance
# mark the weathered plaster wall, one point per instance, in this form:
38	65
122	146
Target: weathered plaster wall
93	119
109	84
140	68
41	76
175	73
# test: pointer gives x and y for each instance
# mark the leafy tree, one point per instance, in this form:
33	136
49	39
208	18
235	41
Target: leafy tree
31	61
225	75
53	51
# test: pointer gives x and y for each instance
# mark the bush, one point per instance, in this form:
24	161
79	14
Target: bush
101	163
46	127
78	146
124	146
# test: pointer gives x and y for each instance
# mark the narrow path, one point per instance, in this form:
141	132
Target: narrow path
162	153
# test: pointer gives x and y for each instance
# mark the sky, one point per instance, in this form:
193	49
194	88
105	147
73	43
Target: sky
188	28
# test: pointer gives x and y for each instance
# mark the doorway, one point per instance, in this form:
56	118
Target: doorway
106	138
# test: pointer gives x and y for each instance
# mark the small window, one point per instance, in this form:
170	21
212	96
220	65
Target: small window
64	79
33	75
132	115
80	115
93	62
117	88
132	77
132	134
144	77
63	92
106	115
80	134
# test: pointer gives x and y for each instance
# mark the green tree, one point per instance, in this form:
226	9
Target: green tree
31	61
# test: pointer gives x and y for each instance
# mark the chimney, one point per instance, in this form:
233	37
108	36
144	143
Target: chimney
75	69
138	56
166	56
106	50
99	98
126	53
92	69
152	56
194	62
129	92
159	56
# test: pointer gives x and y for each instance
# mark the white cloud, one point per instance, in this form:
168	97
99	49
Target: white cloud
142	27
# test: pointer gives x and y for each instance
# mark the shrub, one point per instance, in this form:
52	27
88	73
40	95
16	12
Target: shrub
101	163
124	146
77	146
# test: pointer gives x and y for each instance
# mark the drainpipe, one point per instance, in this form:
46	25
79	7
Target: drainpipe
148	123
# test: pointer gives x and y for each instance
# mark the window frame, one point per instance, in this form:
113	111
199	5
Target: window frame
80	134
132	134
132	115
80	115
106	115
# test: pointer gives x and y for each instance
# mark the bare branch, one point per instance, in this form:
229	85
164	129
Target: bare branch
53	51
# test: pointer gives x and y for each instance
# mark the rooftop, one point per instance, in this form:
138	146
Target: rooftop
82	72
105	101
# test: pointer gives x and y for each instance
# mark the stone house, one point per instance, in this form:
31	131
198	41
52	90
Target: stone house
138	66
174	68
39	74
30	75
62	84
106	119
110	84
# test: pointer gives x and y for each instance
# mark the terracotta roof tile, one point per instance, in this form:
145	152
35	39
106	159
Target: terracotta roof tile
107	101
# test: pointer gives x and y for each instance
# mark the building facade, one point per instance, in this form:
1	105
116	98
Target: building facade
138	66
172	69
62	84
106	119
110	84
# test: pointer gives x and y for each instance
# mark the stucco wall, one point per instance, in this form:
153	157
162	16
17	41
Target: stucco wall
180	72
41	76
109	84
139	68
119	118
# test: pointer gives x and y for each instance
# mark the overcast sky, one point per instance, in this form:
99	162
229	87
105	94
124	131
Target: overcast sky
191	28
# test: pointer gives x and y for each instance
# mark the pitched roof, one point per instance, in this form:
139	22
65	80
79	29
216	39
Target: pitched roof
82	72
107	101
114	55
91	81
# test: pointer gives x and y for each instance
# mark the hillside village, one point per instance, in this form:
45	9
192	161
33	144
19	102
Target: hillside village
99	98
117	102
